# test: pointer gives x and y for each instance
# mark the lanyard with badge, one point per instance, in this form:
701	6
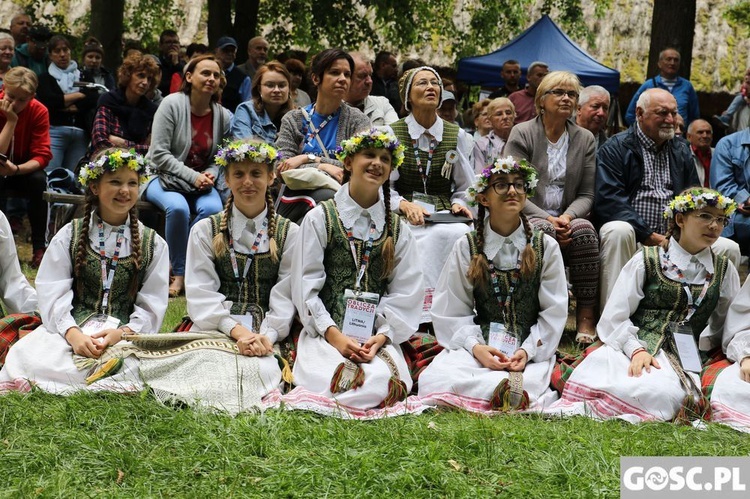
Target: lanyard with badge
315	132
247	318
682	332
100	321
500	337
359	317
423	199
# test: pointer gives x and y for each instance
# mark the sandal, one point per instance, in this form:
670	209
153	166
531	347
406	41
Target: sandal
177	286
587	334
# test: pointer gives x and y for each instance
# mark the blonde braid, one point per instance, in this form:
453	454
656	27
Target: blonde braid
135	251
221	239
528	257
271	214
672	230
91	201
479	267
388	251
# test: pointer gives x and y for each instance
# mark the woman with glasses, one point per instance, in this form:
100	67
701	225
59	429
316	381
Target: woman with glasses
261	116
565	156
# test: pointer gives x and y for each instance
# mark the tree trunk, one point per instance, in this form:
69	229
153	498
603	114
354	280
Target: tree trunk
107	26
219	21
672	25
245	24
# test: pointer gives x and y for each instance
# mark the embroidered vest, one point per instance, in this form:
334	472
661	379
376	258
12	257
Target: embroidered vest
341	269
664	301
410	180
121	302
524	303
261	277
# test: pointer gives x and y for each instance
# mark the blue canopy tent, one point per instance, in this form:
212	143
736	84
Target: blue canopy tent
543	41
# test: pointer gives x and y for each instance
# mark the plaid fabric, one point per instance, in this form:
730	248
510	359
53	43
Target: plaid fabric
107	123
419	351
712	367
566	364
14	327
653	194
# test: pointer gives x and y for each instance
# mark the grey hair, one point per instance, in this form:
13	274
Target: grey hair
536	64
691	127
644	100
661	54
591	91
7	36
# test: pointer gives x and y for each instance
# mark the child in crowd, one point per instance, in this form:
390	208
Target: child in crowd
102	276
665	314
357	287
500	357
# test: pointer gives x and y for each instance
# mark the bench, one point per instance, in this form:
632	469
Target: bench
154	217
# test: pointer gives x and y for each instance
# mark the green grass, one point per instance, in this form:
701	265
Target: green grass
131	446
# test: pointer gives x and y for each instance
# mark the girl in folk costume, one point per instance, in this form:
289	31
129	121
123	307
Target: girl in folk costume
502	356
358	288
102	276
666	312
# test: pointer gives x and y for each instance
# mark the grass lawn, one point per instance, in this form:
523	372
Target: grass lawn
131	446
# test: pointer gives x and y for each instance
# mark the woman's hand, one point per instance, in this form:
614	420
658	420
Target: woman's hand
332	170
413	212
490	357
249	343
519	360
562	229
745	369
84	344
371	347
108	337
293	162
640	360
8	168
6	109
459	209
204	181
117	141
346	346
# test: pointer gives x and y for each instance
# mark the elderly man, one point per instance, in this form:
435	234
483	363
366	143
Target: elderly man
524	99
700	135
638	172
730	175
376	107
237	89
667	79
593	111
33	53
257	55
19	28
511	75
385	79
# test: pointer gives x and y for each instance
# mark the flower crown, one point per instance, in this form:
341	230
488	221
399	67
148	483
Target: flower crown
375	138
112	161
502	165
697	199
237	151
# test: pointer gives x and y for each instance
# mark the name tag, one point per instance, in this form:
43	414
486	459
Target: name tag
502	339
245	320
687	349
424	200
359	318
98	322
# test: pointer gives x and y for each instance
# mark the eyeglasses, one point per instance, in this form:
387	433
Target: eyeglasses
707	219
559	92
424	83
503	187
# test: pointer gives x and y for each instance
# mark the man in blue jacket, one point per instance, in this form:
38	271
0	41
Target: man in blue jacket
638	172
667	79
730	175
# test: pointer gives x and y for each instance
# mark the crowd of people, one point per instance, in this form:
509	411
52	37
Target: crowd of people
349	242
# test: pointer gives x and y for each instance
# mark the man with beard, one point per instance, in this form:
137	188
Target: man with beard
638	172
19	28
593	110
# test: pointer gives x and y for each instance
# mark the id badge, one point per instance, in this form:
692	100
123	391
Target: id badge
359	318
687	349
424	200
246	320
502	339
98	322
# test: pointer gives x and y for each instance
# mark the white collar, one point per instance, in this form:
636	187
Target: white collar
242	224
350	211
494	241
108	229
416	130
681	258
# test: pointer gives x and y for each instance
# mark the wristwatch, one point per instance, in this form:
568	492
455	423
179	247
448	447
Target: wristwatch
312	158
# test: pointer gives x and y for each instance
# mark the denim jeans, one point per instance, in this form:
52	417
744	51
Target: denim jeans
68	144
178	209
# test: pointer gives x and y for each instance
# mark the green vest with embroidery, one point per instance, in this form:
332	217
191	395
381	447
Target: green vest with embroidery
120	301
410	180
665	301
261	276
523	311
341	269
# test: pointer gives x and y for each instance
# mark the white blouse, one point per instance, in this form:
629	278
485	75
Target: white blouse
453	304
462	175
617	330
54	282
399	310
206	306
736	340
16	292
